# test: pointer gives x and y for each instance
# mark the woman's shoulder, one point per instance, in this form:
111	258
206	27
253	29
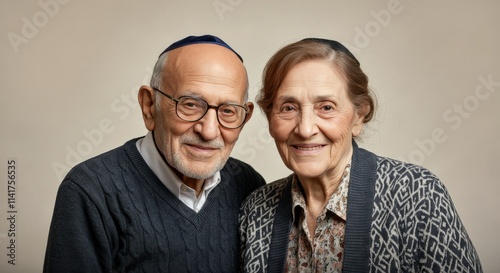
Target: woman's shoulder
394	167
268	194
397	174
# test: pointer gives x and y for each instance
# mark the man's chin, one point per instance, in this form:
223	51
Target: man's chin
197	169
198	174
199	166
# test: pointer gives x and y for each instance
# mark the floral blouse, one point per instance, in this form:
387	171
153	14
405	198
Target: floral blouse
324	252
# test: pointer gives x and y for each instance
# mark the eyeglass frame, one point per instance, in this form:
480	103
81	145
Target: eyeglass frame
209	106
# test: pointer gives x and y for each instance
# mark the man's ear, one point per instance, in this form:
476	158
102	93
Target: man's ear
146	100
250	107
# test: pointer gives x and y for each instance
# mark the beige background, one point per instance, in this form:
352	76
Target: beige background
70	71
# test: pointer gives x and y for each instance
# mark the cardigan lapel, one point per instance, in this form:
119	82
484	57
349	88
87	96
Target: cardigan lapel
359	211
281	231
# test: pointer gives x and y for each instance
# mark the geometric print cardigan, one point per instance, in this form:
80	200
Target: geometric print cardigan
400	218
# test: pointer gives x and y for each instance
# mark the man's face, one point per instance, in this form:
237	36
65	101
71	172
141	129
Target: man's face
216	75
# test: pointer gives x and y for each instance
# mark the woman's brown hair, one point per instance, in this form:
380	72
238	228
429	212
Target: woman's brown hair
317	49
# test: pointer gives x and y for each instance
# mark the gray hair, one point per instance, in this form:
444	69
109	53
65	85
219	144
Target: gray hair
156	77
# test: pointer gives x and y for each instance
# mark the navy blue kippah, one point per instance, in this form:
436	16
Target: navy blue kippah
333	45
204	39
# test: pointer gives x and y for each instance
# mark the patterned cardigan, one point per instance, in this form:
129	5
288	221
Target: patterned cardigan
400	218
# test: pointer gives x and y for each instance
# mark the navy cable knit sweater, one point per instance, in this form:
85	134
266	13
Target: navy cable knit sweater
112	214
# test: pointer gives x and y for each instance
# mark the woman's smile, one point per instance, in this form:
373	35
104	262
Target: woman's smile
308	147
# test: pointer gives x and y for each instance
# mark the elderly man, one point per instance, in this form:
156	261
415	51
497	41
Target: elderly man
169	201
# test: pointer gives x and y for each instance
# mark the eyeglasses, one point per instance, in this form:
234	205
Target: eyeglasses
229	115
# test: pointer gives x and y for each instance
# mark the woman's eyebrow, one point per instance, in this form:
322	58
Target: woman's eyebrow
324	97
286	98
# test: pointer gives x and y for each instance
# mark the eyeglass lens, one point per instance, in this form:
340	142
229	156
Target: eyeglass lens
192	109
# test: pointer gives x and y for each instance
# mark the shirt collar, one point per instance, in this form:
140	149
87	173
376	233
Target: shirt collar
337	203
163	171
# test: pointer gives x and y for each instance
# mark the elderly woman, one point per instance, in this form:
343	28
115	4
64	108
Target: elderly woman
344	209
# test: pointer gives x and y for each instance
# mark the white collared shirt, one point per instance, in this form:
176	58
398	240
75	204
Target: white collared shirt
187	195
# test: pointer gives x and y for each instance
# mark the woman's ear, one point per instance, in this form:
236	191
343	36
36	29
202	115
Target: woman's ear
358	121
147	102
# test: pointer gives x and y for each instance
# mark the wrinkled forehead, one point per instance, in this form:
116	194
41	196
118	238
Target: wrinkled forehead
204	56
205	66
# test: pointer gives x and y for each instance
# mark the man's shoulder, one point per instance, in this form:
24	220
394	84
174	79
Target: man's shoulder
100	161
102	166
242	177
237	167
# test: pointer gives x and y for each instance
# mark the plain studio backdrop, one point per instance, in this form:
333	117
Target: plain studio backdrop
70	71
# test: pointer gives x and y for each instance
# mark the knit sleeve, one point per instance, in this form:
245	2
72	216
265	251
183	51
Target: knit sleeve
77	240
444	243
416	227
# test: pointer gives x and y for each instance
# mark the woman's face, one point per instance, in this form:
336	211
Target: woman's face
313	120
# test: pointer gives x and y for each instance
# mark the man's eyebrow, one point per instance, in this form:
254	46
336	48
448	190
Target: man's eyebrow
195	95
189	93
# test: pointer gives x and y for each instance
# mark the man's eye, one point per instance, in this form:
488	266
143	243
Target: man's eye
192	104
228	111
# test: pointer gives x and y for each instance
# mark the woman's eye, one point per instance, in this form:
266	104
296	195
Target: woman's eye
327	108
288	107
288	111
